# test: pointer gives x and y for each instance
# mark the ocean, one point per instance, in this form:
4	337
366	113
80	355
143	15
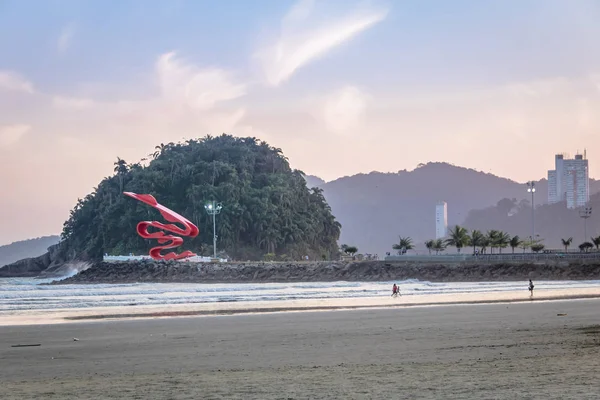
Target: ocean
21	294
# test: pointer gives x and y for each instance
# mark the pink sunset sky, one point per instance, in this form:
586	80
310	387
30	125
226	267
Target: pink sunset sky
342	87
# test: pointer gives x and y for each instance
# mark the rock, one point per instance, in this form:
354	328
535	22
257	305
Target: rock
152	271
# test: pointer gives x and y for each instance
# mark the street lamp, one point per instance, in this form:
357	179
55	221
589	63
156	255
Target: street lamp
585	214
531	189
213	209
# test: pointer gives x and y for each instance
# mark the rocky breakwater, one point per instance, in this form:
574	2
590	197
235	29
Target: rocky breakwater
241	272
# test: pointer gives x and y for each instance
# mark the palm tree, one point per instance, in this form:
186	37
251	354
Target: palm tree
567	243
485	243
429	245
596	241
121	168
502	240
403	245
458	237
438	245
515	242
477	239
160	149
492	237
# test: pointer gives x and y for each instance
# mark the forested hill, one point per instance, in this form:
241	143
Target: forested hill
267	207
26	249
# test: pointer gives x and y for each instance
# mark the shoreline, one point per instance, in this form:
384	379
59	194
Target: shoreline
243	311
163	311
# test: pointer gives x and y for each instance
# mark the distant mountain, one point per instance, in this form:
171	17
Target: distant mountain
553	222
375	208
26	249
313	181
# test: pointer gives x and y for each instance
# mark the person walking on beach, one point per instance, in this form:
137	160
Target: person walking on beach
531	288
394	290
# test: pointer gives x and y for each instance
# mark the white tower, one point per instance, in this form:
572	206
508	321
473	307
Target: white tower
441	220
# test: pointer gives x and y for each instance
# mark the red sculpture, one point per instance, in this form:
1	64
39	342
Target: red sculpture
168	241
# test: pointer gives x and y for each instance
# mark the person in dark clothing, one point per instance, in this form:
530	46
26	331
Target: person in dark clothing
394	290
531	288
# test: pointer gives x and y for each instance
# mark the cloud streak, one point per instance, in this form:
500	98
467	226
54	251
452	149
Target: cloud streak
303	39
11	134
344	110
72	103
200	88
66	36
12	81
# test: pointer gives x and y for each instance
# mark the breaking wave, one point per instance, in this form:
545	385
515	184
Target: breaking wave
18	294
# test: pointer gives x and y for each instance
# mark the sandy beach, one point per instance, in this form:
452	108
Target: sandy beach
521	350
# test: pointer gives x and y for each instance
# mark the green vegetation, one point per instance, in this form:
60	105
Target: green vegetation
537	247
268	211
567	243
349	250
515	242
439	245
459	237
404	244
586	246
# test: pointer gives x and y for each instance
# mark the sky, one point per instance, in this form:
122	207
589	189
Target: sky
341	86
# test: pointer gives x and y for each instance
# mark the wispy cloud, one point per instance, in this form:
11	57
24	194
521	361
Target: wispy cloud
14	82
344	110
65	38
72	103
303	38
200	88
11	134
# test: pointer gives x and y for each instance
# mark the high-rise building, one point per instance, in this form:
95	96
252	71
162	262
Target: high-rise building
441	220
569	181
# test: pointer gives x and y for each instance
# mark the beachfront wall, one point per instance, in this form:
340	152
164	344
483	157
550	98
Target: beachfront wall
494	258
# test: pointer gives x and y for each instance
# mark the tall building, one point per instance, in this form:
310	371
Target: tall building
569	181
441	220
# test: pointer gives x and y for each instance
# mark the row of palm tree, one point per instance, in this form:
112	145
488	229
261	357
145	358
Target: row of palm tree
459	237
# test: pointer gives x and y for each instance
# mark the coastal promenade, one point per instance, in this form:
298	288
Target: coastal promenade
469	257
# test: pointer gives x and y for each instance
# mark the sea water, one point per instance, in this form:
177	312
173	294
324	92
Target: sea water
20	294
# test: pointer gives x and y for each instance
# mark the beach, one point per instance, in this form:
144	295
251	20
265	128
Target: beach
539	349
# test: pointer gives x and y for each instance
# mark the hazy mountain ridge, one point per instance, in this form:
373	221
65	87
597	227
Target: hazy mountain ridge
375	208
26	249
313	181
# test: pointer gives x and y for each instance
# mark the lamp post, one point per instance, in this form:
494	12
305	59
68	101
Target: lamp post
531	189
585	214
213	209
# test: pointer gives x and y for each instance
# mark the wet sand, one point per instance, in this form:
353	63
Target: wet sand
537	349
52	316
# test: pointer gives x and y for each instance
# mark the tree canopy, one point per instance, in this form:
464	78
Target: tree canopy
267	207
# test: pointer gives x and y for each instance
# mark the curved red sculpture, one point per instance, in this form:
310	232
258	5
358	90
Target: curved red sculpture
168	241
